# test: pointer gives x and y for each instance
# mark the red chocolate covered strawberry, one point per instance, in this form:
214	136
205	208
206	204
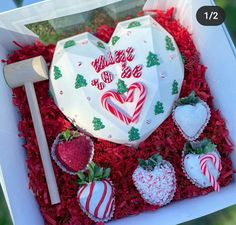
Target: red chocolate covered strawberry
72	151
96	194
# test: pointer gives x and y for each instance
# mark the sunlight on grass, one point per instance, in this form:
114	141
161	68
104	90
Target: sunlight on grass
4	213
223	217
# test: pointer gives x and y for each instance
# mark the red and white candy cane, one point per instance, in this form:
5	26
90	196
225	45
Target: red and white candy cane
112	109
122	99
203	165
141	99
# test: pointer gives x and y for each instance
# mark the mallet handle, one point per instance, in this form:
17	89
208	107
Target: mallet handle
42	143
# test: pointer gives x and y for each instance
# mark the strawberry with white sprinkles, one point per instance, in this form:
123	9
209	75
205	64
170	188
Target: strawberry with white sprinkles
96	193
155	180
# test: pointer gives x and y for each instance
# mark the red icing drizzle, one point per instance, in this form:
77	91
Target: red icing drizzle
101	200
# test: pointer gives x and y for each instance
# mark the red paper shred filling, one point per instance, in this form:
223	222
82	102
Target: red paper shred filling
122	160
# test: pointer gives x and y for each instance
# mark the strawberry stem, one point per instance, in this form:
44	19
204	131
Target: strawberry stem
202	147
94	173
150	163
68	135
192	99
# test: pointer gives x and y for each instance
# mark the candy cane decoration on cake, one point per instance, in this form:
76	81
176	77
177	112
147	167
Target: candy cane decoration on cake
216	162
112	109
122	99
141	100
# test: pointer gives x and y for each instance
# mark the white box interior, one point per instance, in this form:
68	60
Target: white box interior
217	53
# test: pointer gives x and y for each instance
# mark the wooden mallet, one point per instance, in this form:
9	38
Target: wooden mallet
26	73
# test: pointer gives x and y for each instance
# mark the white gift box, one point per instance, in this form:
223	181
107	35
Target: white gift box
217	53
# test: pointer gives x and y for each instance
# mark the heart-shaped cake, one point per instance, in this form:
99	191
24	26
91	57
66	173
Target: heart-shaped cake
120	91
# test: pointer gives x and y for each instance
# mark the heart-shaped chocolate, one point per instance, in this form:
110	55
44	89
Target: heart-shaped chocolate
121	91
74	155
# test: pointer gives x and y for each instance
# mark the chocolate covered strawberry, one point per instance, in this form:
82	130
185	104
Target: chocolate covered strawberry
202	164
96	193
191	116
155	180
72	151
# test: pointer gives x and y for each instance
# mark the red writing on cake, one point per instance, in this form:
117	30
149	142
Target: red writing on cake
120	56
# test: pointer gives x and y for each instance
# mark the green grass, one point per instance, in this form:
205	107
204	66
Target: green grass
4	213
230	10
223	217
51	31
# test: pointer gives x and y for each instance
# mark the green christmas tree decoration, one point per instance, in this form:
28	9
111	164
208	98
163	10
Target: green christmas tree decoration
134	24
100	45
175	88
134	134
158	108
80	81
57	72
121	87
114	40
69	44
169	44
152	60
97	124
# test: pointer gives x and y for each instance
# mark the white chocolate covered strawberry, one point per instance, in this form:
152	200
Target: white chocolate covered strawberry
202	164
191	116
96	193
155	180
